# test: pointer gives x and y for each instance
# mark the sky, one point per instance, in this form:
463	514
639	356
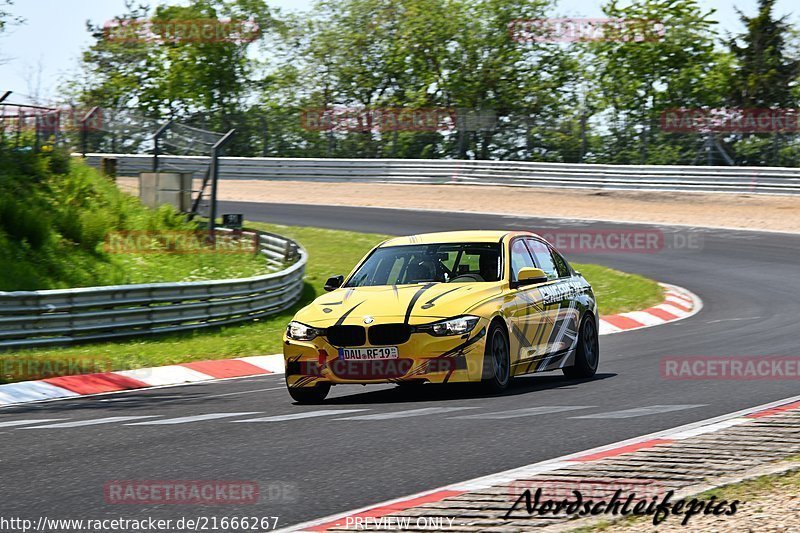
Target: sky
37	55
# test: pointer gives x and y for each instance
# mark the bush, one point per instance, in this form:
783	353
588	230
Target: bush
59	161
55	215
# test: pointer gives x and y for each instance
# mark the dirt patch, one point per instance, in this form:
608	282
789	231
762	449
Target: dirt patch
739	211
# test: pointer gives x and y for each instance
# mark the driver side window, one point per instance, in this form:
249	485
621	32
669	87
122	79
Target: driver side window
520	258
542	253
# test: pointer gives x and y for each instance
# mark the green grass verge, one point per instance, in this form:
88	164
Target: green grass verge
56	214
154	268
618	292
331	252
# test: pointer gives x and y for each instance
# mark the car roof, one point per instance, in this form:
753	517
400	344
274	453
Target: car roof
453	237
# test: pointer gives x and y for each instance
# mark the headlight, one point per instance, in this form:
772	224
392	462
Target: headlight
453	326
300	332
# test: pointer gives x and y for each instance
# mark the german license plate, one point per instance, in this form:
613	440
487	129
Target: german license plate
368	354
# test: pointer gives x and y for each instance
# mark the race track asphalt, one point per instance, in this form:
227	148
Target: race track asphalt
335	461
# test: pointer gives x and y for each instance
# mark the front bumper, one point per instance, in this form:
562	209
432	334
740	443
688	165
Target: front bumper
423	357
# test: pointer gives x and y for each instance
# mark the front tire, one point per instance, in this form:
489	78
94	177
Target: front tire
497	360
587	354
310	395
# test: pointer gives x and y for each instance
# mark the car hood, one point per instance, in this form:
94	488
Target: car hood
414	304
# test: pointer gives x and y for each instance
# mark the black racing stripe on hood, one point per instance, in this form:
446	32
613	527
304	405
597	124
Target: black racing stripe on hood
430	302
346	314
414	300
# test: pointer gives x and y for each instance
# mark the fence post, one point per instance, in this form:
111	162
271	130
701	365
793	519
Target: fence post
57	129
215	150
3	128
20	118
36	132
85	130
156	137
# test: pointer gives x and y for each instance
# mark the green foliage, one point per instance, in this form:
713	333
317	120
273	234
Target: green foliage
640	79
597	101
200	82
53	226
765	76
6	17
59	161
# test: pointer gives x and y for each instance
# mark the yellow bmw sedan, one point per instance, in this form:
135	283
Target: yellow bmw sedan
461	306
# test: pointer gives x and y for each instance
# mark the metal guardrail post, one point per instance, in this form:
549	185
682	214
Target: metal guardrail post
287	252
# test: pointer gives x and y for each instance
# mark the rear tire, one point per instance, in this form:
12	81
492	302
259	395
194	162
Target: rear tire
587	354
310	395
496	360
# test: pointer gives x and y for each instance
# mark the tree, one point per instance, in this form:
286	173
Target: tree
765	76
7	19
644	69
453	55
150	62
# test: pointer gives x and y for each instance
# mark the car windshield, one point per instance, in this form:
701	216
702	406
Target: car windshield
443	263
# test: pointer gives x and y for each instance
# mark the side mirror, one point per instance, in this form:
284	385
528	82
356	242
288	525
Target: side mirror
529	276
334	283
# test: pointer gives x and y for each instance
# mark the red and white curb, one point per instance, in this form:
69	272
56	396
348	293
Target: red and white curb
142	378
341	520
678	304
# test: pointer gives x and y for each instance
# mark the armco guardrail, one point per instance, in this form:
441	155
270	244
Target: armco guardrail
765	180
50	317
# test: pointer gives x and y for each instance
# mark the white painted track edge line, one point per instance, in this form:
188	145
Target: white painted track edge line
171	385
557	461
